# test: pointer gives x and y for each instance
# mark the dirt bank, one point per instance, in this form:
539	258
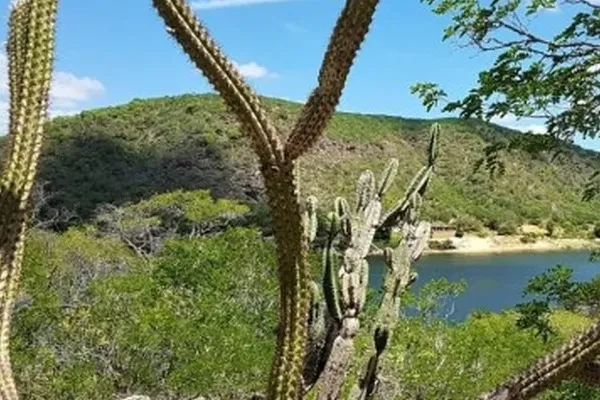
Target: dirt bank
512	244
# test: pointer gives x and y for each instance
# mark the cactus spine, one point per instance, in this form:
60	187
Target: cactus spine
30	51
277	162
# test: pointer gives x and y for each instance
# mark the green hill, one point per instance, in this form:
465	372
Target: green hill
126	153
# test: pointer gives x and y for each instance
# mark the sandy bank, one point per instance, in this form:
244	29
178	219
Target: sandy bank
512	244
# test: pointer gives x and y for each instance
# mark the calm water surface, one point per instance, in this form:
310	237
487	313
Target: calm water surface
495	282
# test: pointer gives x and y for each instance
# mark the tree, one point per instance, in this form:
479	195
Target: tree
553	78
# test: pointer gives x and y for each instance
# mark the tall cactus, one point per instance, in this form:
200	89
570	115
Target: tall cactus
30	51
277	161
350	234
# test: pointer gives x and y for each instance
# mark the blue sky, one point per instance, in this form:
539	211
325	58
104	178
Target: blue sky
112	51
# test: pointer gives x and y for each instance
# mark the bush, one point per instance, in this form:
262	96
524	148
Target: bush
467	224
528	238
457	362
156	328
551	228
597	231
507	228
439	245
492	224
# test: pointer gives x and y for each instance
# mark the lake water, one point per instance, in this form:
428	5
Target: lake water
495	282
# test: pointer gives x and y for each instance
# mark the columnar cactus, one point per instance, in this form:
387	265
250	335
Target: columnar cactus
350	234
398	277
30	52
277	158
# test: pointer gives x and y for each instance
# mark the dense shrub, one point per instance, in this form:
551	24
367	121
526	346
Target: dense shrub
438	360
551	226
507	228
528	239
597	231
441	245
198	319
468	224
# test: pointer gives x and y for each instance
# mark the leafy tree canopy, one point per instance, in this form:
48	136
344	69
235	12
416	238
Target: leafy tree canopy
551	77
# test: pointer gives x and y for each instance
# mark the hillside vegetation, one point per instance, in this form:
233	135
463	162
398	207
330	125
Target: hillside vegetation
134	297
127	153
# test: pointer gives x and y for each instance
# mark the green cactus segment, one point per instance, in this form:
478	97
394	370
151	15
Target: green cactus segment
310	221
30	52
435	134
183	25
330	267
365	190
341	207
418	185
388	176
315	320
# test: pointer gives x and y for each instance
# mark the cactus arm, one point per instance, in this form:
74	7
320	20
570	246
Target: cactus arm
566	362
282	197
397	278
365	190
30	51
206	55
388	176
277	163
417	186
309	219
351	28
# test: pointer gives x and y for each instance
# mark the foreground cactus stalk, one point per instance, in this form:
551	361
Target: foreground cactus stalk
277	161
30	51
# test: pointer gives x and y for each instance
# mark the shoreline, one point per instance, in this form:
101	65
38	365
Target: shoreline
474	245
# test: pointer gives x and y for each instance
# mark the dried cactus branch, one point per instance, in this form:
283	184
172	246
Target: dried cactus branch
30	51
183	25
350	30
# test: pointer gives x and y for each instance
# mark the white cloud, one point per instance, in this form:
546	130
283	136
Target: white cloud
73	89
212	4
254	70
536	129
511	121
68	93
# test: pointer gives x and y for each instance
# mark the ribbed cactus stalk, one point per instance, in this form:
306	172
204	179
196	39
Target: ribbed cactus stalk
398	277
349	238
30	52
277	162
